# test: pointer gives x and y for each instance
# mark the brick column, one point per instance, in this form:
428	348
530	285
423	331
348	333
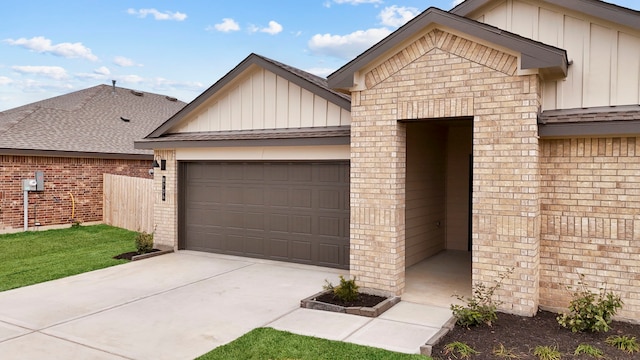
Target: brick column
506	192
166	211
378	159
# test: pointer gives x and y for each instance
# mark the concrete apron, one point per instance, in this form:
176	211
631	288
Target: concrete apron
179	306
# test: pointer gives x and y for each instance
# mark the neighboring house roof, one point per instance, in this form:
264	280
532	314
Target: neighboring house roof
102	121
534	54
605	120
595	8
305	80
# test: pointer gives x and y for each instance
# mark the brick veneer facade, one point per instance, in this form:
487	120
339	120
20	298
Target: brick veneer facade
165	212
440	76
63	178
590	201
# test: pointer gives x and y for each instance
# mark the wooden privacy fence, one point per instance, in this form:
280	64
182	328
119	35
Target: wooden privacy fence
128	202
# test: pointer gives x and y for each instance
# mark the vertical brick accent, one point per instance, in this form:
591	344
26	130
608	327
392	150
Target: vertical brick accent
442	75
166	212
590	202
64	178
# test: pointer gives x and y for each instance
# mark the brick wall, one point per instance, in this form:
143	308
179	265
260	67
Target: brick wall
63	178
166	211
590	201
442	75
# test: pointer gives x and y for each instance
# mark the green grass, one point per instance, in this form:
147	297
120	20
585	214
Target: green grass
33	257
267	343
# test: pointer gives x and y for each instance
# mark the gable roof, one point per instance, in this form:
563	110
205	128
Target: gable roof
535	55
101	121
595	8
305	80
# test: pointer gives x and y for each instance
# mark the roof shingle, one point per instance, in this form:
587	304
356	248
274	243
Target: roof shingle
86	121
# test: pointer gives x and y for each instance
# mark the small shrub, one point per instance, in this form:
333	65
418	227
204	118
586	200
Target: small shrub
480	308
346	291
589	350
75	224
547	353
624	343
459	348
503	352
589	311
144	242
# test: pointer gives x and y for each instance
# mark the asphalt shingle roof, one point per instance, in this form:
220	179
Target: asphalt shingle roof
87	121
596	114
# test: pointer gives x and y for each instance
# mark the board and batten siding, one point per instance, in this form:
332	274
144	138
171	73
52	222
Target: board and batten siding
261	99
606	56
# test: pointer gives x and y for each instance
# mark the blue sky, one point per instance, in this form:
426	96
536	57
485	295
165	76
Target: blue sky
180	48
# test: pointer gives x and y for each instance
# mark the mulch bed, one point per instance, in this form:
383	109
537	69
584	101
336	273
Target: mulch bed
522	334
130	255
364	300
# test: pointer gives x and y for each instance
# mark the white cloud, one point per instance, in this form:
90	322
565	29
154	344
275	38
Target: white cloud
43	45
455	3
130	79
396	16
5	80
102	70
346	46
124	62
162	84
167	15
273	28
227	25
54	72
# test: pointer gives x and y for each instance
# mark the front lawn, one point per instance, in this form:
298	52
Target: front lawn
267	343
33	257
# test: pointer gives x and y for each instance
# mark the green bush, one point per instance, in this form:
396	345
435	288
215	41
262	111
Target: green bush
144	242
346	291
480	308
589	311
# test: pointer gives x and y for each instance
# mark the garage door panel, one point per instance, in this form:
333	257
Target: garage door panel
233	220
233	171
300	198
300	224
329	226
278	197
330	174
329	199
296	212
277	249
254	221
278	223
234	244
254	246
301	251
254	196
204	193
253	173
329	254
301	173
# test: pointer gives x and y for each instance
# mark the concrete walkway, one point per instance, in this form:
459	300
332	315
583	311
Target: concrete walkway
182	305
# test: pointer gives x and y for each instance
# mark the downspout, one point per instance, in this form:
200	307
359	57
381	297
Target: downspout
73	207
26	209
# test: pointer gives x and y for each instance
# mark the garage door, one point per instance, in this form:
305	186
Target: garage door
296	212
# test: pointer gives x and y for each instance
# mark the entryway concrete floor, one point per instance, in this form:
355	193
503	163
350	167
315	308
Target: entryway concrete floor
434	280
181	305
